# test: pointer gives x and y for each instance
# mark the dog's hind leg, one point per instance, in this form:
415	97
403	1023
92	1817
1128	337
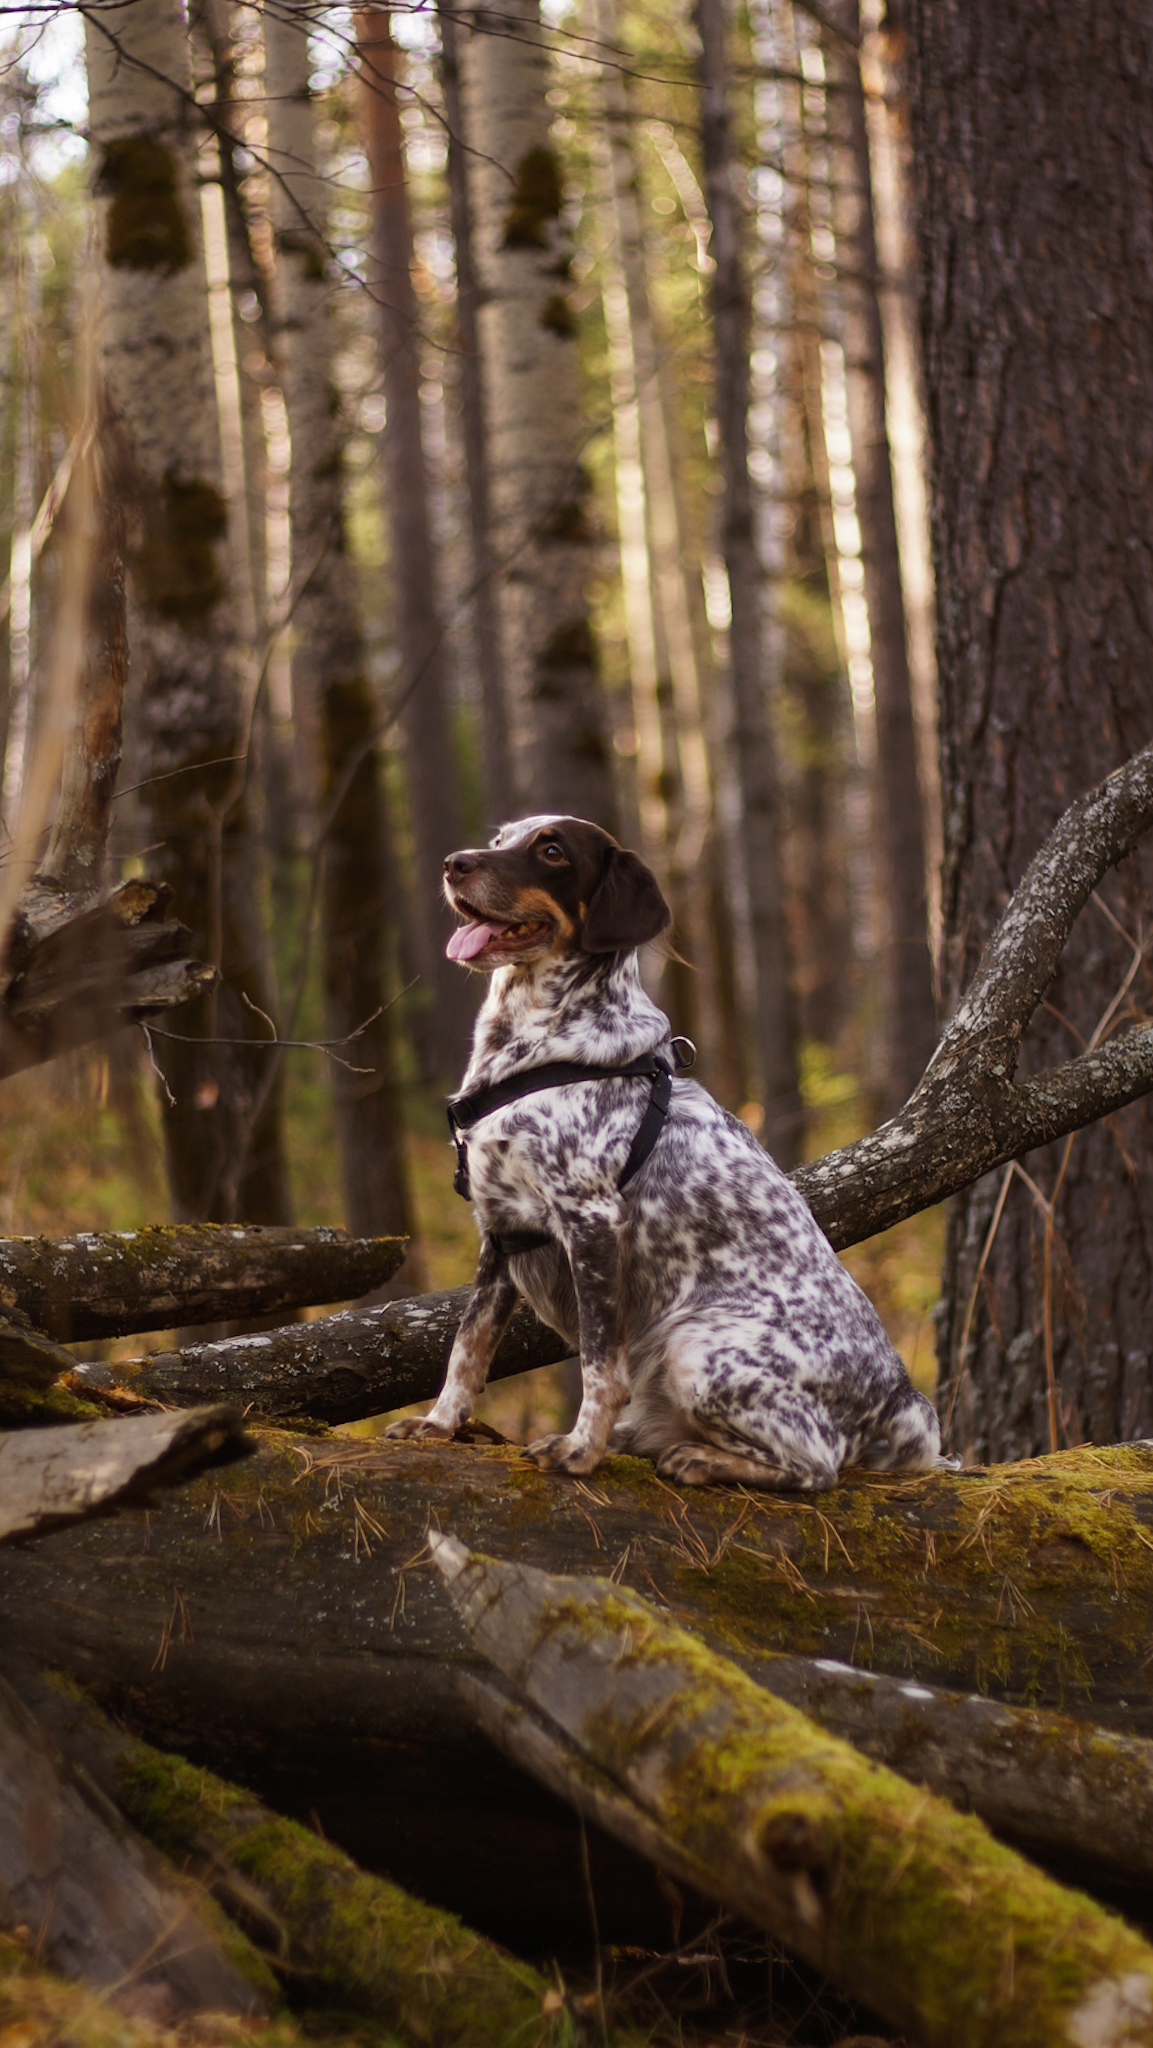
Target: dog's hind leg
907	1437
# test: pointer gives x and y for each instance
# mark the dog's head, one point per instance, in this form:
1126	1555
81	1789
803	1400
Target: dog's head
549	886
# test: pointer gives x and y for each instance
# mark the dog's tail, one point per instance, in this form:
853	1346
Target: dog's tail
908	1437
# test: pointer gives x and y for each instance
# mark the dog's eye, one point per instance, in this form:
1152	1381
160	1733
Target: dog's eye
550	851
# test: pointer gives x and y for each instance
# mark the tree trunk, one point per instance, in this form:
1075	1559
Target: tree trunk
906	968
189	720
753	749
543	526
738	1792
1039	366
496	743
436	813
334	701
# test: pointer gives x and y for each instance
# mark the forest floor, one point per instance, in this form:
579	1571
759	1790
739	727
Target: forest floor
80	1149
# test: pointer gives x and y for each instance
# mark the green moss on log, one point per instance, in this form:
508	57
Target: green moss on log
364	1944
905	1901
147	228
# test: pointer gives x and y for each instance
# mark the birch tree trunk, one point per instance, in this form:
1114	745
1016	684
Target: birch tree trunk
499	787
1035	192
331	689
188	714
543	526
430	763
753	746
910	1023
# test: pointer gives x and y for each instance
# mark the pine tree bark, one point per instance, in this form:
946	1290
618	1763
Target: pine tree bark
909	1011
496	744
433	783
1039	367
753	747
333	697
543	526
188	716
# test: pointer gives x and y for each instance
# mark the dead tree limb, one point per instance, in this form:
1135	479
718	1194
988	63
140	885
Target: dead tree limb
852	1868
50	1477
968	1115
101	1910
356	1942
78	963
112	1283
339	1368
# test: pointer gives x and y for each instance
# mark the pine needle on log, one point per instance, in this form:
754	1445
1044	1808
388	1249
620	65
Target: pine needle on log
906	1904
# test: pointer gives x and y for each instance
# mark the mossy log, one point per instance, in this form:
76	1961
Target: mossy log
907	1904
100	1910
342	1937
114	1283
340	1368
41	2010
52	1477
283	1616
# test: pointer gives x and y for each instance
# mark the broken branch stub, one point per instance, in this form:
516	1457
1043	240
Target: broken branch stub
906	1904
50	1477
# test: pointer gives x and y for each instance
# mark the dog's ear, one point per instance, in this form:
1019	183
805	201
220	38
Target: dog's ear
626	908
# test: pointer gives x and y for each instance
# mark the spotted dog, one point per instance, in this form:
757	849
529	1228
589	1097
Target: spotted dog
718	1332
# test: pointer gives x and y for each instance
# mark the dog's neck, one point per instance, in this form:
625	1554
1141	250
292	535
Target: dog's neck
578	1008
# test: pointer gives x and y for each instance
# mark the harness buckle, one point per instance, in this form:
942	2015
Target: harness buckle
684	1061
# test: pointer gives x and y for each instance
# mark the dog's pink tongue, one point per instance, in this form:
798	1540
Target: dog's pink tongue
469	940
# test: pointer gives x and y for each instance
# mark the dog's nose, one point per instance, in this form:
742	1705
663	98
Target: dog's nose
458	865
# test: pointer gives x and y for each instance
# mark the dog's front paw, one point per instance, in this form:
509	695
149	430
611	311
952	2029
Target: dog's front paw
419	1427
563	1454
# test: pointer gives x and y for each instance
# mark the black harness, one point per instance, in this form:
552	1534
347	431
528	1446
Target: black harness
466	1110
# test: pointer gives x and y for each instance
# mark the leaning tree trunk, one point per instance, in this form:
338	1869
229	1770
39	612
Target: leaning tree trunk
1039	360
908	1008
333	696
431	770
187	709
753	747
541	490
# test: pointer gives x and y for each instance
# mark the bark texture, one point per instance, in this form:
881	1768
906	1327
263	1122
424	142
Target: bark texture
50	1477
100	1913
754	752
1036	196
496	742
780	1821
333	700
540	491
435	809
906	970
107	1283
187	715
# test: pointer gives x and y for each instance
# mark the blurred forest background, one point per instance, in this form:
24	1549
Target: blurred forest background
512	408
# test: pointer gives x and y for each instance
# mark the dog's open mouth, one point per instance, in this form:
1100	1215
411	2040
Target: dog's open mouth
492	936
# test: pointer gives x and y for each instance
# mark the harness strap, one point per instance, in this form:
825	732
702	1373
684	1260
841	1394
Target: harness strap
466	1110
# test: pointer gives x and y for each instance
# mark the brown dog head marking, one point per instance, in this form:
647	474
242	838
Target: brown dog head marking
547	886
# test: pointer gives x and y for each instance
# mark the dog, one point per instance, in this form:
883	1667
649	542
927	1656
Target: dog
718	1332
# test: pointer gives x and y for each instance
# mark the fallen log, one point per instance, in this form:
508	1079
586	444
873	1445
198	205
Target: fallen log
345	1938
1031	1582
52	1477
99	1912
115	1283
30	1364
340	1368
855	1870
